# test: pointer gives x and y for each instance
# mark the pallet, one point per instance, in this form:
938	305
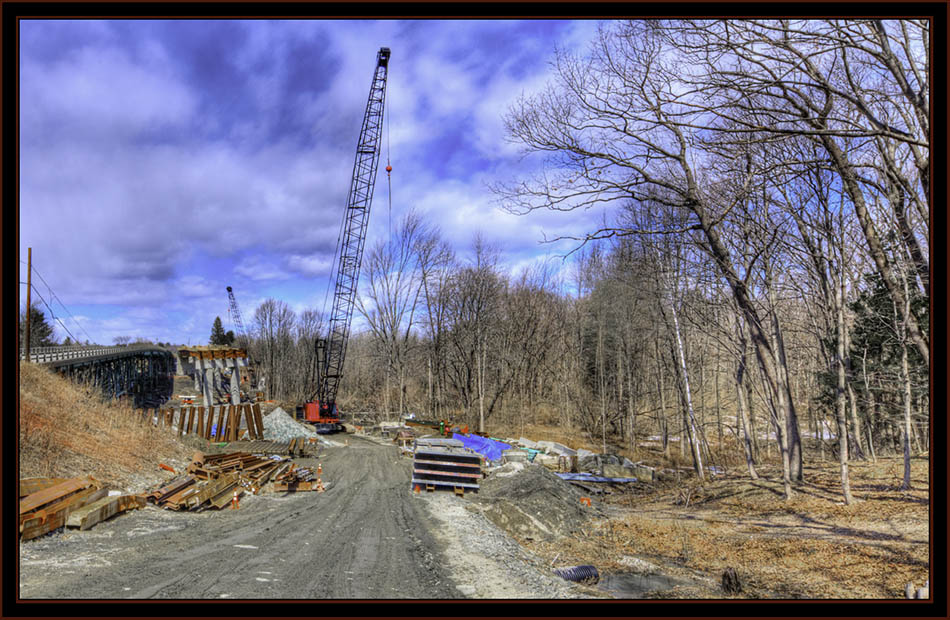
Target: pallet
445	464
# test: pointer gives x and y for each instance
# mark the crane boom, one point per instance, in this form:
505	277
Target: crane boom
332	351
235	313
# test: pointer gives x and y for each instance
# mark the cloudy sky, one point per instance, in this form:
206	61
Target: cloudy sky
161	161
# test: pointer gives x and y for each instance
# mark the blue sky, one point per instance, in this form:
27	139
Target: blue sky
161	161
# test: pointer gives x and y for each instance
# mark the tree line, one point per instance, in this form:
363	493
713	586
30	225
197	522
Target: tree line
763	278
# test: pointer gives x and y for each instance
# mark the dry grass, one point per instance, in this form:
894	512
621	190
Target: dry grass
69	430
810	547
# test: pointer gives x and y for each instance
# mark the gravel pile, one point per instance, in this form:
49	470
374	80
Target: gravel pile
530	502
280	426
485	562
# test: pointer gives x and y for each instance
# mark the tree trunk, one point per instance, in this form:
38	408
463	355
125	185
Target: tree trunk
744	413
840	396
689	423
905	377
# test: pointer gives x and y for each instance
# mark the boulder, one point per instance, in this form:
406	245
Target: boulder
589	464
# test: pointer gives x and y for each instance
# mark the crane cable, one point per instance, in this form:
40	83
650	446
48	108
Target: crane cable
389	169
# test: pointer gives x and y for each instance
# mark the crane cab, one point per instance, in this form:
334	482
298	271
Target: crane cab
325	417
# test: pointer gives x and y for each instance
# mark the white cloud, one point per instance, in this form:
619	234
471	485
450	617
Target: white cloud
310	265
258	269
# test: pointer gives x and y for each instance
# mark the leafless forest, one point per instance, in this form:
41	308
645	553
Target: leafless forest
762	286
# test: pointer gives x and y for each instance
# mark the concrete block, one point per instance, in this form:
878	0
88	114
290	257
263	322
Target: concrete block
553	447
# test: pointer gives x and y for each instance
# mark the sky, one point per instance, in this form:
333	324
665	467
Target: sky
162	161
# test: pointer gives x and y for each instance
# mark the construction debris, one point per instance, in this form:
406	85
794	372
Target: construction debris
211	480
530	502
47	509
103	509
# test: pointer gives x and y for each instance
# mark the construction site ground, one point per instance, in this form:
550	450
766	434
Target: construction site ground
366	537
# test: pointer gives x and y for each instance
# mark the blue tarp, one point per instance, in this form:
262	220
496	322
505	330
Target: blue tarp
488	448
593	478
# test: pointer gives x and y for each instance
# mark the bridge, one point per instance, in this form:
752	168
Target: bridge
144	372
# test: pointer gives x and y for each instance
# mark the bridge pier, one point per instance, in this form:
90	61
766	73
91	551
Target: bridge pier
207	384
236	386
207	363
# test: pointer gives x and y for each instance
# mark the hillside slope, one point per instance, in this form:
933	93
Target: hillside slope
68	430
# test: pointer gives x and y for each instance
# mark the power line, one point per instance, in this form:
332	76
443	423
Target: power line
56	297
52	314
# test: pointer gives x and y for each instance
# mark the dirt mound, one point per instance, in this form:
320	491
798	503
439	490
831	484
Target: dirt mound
530	502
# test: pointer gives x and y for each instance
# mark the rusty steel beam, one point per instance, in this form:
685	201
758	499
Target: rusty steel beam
102	509
54	493
200	426
28	486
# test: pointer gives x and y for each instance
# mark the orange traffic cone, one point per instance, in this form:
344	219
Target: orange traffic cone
234	501
320	488
319	469
417	489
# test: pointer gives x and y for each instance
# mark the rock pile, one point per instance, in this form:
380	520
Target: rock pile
530	502
279	426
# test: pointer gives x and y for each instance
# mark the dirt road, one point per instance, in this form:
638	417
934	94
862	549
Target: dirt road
366	537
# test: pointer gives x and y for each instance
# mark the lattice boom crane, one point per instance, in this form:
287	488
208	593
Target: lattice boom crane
235	313
321	409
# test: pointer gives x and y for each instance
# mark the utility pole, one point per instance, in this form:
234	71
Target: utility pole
29	286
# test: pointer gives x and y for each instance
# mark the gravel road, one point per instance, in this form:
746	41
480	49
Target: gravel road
366	537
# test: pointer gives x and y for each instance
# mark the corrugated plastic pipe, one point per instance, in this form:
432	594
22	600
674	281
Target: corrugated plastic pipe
581	574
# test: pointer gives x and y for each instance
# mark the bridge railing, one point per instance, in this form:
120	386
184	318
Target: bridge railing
44	355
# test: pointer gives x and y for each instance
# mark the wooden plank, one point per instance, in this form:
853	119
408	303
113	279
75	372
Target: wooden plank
28	486
200	426
181	421
102	509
